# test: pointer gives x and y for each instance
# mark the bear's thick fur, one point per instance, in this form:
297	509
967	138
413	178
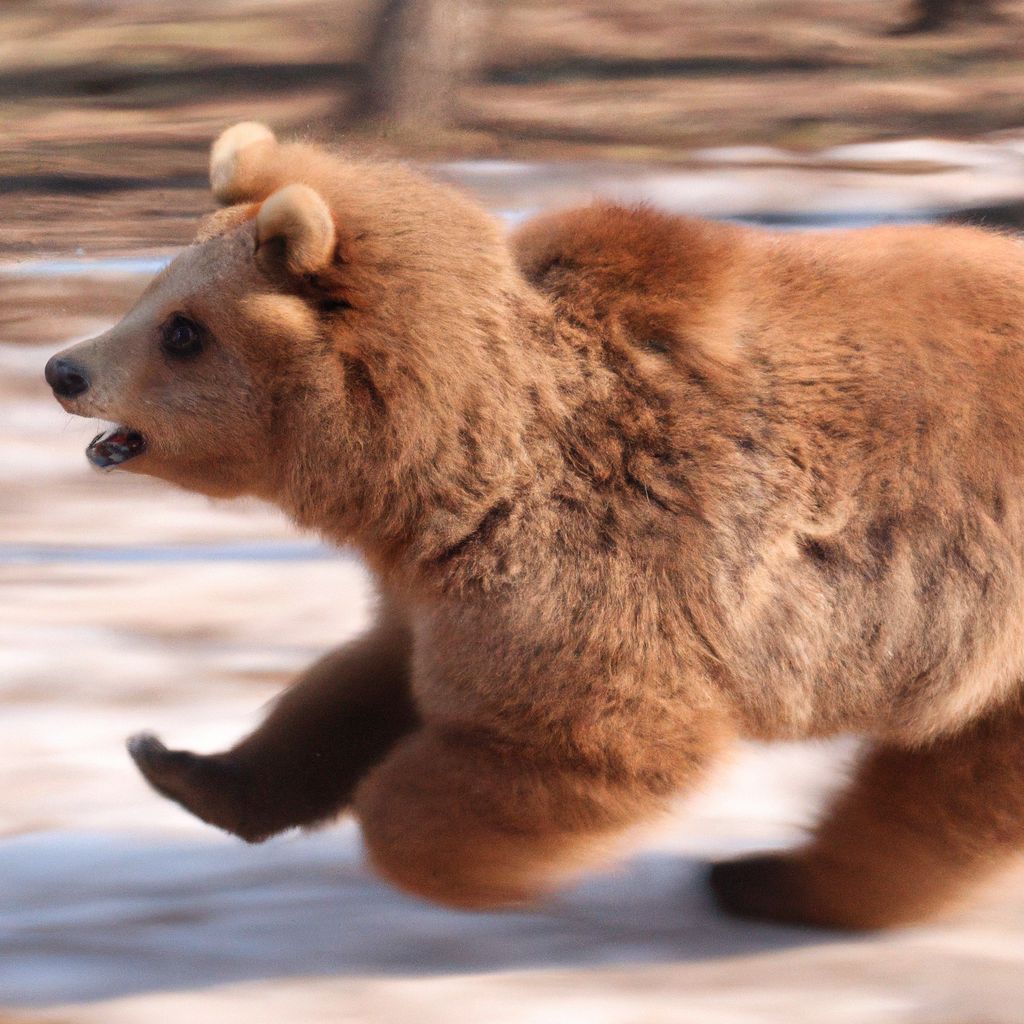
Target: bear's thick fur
632	485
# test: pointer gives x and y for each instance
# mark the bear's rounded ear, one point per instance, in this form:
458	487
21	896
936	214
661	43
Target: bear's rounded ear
235	160
294	226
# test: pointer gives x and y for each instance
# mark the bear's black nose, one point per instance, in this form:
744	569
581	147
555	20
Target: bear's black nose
67	379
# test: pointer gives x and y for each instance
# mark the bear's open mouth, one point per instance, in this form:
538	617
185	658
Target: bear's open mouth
115	446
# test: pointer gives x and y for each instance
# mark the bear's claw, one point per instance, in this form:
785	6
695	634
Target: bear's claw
144	747
765	887
165	770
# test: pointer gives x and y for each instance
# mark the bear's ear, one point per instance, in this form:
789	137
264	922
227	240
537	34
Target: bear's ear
294	226
235	161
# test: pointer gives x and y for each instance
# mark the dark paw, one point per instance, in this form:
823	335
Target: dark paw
765	887
208	786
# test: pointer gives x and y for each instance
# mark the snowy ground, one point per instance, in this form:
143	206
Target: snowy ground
125	605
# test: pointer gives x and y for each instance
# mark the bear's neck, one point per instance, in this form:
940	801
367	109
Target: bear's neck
440	471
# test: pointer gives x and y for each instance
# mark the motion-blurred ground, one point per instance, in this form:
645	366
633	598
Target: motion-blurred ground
124	605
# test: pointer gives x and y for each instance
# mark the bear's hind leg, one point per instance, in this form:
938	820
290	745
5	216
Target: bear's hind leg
916	828
302	764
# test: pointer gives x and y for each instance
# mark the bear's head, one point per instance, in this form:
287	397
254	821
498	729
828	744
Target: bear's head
331	330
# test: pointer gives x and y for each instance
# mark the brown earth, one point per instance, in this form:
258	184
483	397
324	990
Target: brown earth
106	110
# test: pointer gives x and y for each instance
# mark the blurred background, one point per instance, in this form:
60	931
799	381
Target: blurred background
126	605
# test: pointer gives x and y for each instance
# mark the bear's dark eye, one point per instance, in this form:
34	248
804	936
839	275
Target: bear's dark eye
181	338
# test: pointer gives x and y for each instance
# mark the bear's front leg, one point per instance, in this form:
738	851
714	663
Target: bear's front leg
302	764
473	820
917	829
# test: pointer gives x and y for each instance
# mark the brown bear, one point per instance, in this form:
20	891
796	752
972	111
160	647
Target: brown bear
632	485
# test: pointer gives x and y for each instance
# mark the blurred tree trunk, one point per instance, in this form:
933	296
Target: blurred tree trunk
418	55
936	15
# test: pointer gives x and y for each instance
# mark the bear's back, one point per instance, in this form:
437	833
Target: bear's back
877	378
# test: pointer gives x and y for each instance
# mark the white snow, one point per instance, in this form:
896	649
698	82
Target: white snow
126	605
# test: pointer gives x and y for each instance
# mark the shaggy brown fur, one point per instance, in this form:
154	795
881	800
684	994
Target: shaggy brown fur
633	485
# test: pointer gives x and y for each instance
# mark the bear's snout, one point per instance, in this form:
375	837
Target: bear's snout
67	378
